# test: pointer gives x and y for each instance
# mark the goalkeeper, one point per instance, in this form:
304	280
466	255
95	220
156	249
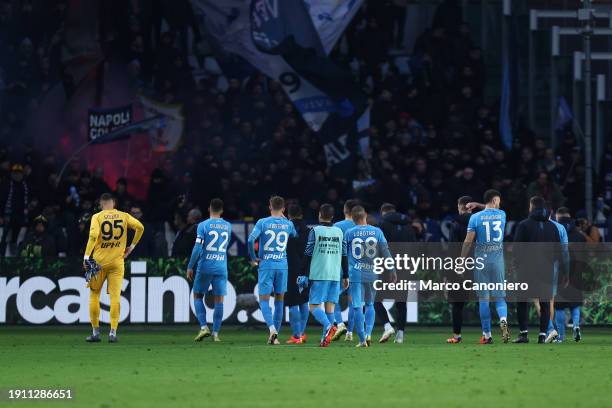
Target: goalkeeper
103	261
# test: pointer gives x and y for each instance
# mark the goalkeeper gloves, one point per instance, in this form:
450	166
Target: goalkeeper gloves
302	282
92	269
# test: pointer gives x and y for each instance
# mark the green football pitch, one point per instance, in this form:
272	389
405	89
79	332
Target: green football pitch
162	367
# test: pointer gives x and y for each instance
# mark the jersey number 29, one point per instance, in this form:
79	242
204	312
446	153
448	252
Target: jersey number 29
276	241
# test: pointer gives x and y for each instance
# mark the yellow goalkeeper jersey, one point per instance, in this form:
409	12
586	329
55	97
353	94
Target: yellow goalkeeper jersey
108	235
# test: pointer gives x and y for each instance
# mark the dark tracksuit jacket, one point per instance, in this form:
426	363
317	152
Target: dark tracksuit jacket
295	263
535	264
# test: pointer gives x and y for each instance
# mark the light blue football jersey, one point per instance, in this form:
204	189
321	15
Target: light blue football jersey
345	225
273	234
210	250
363	244
489	226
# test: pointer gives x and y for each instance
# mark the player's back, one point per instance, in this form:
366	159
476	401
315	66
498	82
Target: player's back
489	226
214	234
345	225
111	228
273	234
363	244
325	245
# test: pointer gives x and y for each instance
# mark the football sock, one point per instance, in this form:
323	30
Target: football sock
94	308
321	317
295	321
113	332
338	314
402	310
217	317
264	305
370	315
95	331
200	311
560	321
279	309
388	326
304	313
457	316
485	316
551	326
330	317
351	318
502	310
575	316
114	309
358	321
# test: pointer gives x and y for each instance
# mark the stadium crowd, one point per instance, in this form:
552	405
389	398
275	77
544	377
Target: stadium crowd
434	133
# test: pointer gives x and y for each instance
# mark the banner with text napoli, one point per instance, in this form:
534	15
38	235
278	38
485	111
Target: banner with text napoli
104	121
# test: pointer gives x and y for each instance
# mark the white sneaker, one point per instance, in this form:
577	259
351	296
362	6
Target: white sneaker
387	335
552	336
340	330
399	337
273	339
364	344
348	336
215	338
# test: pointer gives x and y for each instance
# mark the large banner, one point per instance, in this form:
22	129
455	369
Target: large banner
155	291
33	291
228	22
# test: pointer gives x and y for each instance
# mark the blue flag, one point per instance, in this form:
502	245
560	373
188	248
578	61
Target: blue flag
564	115
510	92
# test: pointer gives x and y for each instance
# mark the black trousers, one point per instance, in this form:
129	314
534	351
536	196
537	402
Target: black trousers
522	310
457	314
383	316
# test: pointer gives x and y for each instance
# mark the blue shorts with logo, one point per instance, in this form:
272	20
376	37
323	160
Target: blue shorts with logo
361	293
203	281
322	291
272	281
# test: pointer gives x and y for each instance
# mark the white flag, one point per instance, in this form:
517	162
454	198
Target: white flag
168	137
228	21
331	17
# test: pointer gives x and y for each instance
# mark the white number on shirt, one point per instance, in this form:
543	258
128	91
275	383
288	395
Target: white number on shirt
358	248
276	241
496	228
215	237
